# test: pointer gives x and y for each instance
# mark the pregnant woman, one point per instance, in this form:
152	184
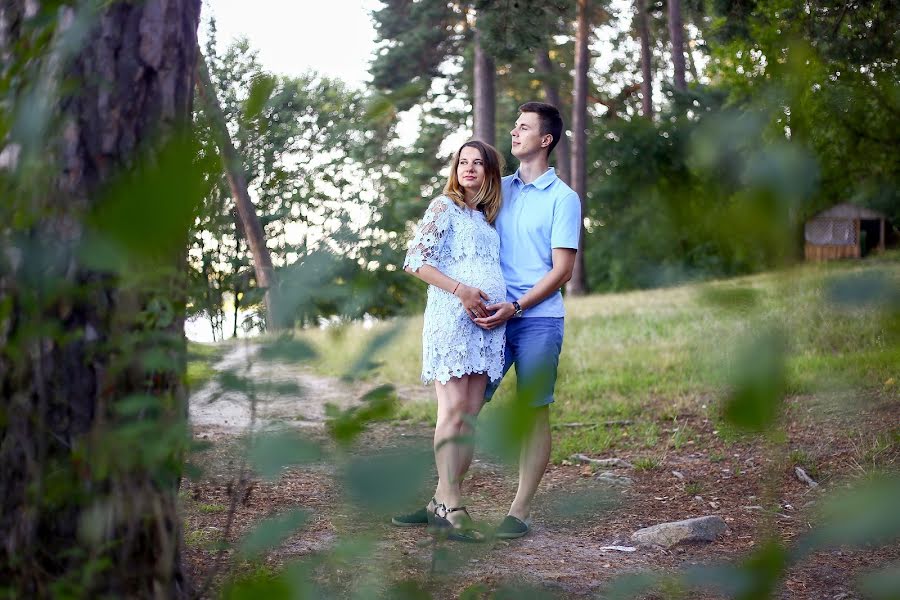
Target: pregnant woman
456	250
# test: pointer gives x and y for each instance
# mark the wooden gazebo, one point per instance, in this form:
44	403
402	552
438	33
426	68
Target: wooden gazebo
844	231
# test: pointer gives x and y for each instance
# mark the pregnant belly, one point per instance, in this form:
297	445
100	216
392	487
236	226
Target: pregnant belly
491	284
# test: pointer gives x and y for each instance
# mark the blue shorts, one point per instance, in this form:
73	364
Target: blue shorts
533	344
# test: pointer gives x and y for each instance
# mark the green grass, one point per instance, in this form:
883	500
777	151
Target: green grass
648	356
651	357
201	358
693	488
210	507
646	463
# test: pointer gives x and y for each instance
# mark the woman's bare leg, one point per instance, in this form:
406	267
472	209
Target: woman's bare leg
457	406
474	402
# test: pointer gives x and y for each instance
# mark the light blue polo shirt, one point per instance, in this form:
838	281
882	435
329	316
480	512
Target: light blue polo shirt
535	218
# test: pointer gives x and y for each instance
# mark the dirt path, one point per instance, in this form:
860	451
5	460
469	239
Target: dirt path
217	411
577	516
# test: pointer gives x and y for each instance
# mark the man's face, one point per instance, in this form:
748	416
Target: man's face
527	140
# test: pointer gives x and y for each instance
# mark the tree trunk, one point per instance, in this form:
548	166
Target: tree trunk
577	286
646	59
237	311
485	100
676	36
551	95
237	181
92	434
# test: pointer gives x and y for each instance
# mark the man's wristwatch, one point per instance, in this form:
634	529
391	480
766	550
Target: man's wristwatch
519	309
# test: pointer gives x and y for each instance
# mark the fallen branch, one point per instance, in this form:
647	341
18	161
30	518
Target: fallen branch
594	425
603	462
802	476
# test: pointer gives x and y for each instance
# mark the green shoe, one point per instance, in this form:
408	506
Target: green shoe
511	528
418	518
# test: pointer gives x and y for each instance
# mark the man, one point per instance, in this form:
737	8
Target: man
539	224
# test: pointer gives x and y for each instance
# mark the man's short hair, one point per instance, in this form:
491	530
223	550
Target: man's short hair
550	119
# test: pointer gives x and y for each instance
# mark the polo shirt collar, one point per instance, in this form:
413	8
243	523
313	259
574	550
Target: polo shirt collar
546	178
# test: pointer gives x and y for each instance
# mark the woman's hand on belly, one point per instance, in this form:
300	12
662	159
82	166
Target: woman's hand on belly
472	300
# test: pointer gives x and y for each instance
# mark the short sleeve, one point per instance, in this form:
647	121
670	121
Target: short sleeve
566	222
430	235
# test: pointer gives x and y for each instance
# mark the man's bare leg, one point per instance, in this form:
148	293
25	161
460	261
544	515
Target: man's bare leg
533	459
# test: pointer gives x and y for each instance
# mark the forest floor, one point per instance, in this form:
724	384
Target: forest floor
352	550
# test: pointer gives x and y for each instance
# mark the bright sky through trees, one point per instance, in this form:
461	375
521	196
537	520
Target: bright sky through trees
335	37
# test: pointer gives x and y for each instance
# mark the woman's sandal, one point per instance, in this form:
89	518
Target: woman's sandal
464	532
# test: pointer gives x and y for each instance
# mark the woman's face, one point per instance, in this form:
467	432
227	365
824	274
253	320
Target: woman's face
470	170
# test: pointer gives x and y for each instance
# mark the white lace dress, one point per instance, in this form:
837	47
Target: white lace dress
461	244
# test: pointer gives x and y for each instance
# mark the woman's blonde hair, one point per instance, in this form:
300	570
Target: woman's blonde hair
488	198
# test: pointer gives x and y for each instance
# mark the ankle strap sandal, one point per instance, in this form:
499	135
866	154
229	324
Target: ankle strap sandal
464	532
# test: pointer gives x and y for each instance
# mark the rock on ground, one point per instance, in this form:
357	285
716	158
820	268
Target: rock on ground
700	529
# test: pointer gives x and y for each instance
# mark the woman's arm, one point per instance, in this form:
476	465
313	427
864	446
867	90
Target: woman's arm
422	258
472	298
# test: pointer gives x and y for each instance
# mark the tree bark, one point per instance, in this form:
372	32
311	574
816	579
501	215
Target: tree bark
646	59
676	36
83	507
577	286
237	181
551	95
485	99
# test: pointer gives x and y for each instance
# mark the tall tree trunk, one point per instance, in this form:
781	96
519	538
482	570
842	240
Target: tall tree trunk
551	95
577	286
646	59
676	36
237	181
237	312
485	99
86	505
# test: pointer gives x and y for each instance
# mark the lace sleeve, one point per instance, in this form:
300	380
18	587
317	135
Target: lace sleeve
430	234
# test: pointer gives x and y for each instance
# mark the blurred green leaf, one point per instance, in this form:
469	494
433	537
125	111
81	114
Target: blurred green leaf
758	382
864	515
271	452
232	382
588	498
380	482
407	590
364	363
871	289
754	578
505	424
271	532
159	359
379	393
135	404
147	212
882	585
345	425
519	591
632	585
259	586
475	591
287	348
261	88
